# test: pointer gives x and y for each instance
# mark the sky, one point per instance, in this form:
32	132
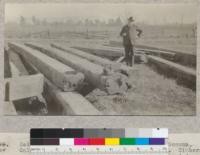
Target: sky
148	13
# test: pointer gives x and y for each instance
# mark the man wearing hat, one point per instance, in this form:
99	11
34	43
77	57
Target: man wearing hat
130	32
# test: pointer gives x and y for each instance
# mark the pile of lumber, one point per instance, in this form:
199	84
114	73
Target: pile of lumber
72	103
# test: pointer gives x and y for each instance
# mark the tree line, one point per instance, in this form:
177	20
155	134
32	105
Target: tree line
87	22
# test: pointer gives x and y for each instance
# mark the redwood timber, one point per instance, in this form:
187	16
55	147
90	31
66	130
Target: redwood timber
183	75
61	75
112	83
54	95
20	87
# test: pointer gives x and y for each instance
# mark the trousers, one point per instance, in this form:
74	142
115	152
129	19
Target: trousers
129	53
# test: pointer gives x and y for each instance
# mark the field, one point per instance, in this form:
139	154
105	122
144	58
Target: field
151	92
176	37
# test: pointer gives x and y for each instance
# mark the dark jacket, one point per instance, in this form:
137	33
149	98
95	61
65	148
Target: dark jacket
126	35
130	39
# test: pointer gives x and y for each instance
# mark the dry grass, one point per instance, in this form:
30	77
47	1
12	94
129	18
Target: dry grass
152	94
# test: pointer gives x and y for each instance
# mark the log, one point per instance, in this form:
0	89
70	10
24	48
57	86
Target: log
101	51
183	75
61	75
14	70
163	54
69	107
109	65
112	83
74	104
138	50
77	103
16	60
20	87
183	58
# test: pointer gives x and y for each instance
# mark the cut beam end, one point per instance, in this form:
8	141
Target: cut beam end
116	83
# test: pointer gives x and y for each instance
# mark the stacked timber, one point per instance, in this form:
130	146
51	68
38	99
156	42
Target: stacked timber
61	75
183	75
111	82
101	51
107	64
115	66
71	103
183	58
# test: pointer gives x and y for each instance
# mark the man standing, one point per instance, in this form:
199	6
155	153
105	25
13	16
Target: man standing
129	33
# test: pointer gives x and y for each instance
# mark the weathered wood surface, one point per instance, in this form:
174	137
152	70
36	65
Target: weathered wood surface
16	60
78	104
24	86
182	74
109	65
7	69
9	108
55	95
180	57
14	70
102	51
72	103
112	83
63	76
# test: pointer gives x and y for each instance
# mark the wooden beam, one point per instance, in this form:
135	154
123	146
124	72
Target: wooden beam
77	103
61	75
55	95
16	60
181	57
9	108
112	83
24	86
182	74
72	103
101	51
14	70
7	69
109	65
106	63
